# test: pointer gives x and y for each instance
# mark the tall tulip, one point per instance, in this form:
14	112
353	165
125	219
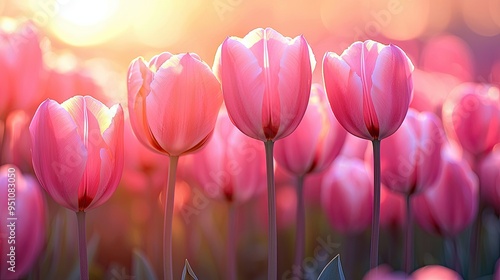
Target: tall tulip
369	87
24	236
173	102
312	147
451	204
77	149
230	168
412	163
266	82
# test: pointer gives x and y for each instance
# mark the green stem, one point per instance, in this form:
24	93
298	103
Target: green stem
231	244
272	262
301	223
408	237
82	246
376	205
168	219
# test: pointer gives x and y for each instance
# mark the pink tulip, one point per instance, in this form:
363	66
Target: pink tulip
489	178
21	67
451	204
17	145
369	87
411	157
173	102
266	81
392	209
316	142
385	272
231	167
77	151
435	272
471	116
23	237
347	192
354	147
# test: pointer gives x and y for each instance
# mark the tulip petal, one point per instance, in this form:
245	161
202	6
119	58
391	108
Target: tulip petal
344	92
243	87
185	117
59	155
391	89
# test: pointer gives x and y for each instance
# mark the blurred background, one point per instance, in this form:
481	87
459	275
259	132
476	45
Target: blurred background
87	46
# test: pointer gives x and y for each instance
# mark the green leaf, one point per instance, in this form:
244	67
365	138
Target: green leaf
141	267
188	273
333	270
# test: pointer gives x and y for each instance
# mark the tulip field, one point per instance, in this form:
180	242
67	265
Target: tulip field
231	139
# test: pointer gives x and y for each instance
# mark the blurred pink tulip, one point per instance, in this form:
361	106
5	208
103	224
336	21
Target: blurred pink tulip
316	142
411	157
62	85
173	102
448	54
23	238
266	82
471	116
347	194
451	204
385	272
489	179
77	151
21	67
143	169
231	167
354	147
369	87
17	145
286	208
435	272
392	209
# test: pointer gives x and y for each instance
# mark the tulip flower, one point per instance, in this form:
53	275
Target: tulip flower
17	141
173	102
488	173
435	272
347	193
471	116
312	147
21	66
369	87
266	82
23	210
231	168
77	149
451	204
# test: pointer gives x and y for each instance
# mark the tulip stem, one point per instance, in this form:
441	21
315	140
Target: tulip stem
82	246
168	219
408	237
301	223
231	244
272	262
376	205
456	256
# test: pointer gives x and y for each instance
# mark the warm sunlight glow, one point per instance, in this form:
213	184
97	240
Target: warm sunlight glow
88	13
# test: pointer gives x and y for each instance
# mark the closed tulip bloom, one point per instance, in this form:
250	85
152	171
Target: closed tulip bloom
471	116
23	193
77	151
17	145
173	102
435	272
451	204
232	167
369	87
266	82
347	193
316	142
489	178
411	157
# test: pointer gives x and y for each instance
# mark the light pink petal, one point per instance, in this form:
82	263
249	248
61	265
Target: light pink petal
391	89
59	155
157	61
183	104
344	91
243	87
